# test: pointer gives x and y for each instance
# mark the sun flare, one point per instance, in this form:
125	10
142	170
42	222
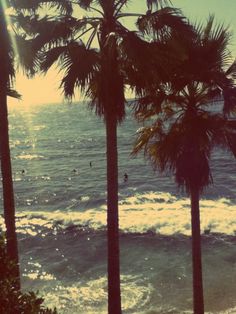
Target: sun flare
8	11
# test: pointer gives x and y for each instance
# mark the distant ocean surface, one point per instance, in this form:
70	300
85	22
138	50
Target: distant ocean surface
61	219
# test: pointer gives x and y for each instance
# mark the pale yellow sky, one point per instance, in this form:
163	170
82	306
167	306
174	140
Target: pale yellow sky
41	89
45	89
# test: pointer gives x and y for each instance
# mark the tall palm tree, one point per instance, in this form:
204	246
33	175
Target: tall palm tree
8	56
6	78
96	53
13	46
186	129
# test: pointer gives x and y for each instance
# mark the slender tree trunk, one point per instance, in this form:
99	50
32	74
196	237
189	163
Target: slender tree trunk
114	298
7	185
198	302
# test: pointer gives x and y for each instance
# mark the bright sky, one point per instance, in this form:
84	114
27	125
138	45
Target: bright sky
45	89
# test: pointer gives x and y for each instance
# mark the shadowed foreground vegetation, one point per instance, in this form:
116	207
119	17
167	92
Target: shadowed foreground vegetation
12	301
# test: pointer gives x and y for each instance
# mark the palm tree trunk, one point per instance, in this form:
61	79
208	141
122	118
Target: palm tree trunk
7	185
198	302
114	298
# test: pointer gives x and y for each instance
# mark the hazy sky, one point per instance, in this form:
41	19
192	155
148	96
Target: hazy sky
45	89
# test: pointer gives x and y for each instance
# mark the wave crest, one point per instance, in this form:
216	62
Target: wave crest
158	213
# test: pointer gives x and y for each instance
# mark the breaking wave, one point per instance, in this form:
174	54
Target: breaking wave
157	213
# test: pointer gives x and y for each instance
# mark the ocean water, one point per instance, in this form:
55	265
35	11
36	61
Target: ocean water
61	219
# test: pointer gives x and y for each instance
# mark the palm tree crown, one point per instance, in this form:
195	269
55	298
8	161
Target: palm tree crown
95	39
187	129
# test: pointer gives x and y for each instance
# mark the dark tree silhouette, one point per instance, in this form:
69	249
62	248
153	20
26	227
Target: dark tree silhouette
98	55
186	129
6	77
8	56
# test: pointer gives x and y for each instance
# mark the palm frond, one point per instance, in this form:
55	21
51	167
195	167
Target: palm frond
157	3
224	133
51	32
85	4
215	39
163	22
52	56
146	136
13	93
7	53
206	32
149	106
119	4
79	64
138	56
29	56
230	136
231	71
229	96
65	6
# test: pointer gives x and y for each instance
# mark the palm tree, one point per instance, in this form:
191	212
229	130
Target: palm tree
7	62
186	130
6	77
96	53
8	55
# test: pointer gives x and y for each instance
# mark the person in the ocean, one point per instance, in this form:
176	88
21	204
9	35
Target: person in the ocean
90	164
23	171
126	177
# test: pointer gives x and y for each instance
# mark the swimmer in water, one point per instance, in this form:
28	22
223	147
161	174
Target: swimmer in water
126	177
23	171
90	164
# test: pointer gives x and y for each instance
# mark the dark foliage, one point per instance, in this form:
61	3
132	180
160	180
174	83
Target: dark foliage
12	301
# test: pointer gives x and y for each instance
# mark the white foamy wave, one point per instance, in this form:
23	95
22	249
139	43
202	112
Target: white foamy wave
170	310
37	276
35	271
38	127
158	213
91	297
85	198
29	157
14	143
229	311
30	224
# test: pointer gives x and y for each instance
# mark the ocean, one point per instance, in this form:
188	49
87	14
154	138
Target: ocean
59	170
